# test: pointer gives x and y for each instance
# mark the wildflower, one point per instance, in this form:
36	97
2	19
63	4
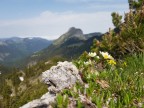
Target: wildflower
88	62
111	62
136	73
106	55
91	54
21	78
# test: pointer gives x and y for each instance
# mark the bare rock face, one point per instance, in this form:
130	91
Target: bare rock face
64	75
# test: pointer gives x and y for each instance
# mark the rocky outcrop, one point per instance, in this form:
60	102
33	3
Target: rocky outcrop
43	102
59	77
64	75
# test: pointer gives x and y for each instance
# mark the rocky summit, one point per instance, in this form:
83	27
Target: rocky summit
72	32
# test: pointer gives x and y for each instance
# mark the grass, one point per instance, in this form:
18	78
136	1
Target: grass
113	86
120	87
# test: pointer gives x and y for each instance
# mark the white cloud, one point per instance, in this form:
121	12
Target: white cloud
52	24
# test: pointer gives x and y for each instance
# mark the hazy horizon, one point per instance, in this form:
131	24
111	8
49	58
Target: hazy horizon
50	19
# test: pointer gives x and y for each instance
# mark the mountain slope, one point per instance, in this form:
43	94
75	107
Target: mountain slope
69	45
13	49
72	32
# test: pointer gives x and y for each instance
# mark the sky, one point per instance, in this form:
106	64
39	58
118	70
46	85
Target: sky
52	18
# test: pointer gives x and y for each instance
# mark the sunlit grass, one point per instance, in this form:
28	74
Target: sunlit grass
120	87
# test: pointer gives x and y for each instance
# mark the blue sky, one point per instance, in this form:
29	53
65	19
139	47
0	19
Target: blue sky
51	18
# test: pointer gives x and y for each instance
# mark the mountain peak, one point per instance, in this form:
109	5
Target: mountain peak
72	32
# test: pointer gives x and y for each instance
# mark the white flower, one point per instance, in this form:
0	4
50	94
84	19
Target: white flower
21	78
88	62
136	73
106	55
91	54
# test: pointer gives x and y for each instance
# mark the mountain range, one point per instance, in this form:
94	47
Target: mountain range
15	48
69	45
17	51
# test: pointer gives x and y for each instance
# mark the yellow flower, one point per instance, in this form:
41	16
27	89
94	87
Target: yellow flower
106	55
111	62
125	64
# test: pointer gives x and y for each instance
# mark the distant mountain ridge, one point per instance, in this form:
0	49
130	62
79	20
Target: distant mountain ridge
15	48
69	45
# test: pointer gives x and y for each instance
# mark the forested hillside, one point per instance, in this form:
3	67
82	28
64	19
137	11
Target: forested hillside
15	49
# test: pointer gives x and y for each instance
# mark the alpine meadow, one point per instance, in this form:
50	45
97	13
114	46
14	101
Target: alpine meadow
78	69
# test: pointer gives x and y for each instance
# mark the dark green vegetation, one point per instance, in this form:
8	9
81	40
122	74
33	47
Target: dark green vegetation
113	83
14	49
128	37
14	92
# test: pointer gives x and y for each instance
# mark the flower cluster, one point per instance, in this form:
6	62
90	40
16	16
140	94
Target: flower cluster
106	55
92	63
102	56
111	62
93	54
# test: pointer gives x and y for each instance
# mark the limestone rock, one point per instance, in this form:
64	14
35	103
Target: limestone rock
64	75
43	102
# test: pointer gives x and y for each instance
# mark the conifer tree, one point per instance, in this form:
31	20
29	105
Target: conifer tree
116	18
